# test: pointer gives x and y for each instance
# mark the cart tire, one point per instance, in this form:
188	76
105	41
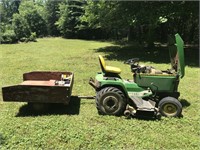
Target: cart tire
110	101
170	107
38	107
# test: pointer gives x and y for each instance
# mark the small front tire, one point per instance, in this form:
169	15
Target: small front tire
170	107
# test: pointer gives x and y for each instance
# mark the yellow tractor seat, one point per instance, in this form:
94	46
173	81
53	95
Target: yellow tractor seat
108	69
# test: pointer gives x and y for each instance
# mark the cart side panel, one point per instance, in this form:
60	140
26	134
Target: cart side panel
71	84
44	75
37	94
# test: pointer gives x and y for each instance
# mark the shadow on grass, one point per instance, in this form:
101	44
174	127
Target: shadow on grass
2	140
72	108
146	118
184	103
156	55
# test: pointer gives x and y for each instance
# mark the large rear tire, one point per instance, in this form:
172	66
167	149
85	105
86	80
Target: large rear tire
110	101
170	107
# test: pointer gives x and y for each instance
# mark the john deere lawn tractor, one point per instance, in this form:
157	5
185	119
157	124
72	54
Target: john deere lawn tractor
150	92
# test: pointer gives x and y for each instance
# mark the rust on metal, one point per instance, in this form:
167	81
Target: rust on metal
94	83
44	75
42	83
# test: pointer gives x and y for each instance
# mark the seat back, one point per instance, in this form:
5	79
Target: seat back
108	70
102	64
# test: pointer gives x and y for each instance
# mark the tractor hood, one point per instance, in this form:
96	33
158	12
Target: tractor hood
176	53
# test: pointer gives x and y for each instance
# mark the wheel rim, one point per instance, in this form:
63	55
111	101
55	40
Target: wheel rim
110	103
169	109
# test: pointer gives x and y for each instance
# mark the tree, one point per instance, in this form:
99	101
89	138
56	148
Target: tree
99	16
32	13
63	20
21	27
52	16
142	20
183	17
69	20
7	9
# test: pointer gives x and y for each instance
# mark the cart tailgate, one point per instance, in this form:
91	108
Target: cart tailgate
39	94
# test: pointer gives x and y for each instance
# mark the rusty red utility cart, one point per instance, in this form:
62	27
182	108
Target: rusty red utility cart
41	87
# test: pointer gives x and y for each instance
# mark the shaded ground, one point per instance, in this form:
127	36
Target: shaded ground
185	103
2	140
156	55
49	109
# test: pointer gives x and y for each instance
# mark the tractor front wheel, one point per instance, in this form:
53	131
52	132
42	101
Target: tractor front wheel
170	107
110	101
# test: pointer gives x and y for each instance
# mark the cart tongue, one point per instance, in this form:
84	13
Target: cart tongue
176	52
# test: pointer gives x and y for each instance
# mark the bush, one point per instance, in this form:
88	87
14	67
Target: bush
21	27
7	34
32	38
9	37
16	32
33	14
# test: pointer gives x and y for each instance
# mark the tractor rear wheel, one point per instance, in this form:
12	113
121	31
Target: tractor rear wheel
170	107
110	101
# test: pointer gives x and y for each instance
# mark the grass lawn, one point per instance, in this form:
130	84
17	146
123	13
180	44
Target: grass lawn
80	127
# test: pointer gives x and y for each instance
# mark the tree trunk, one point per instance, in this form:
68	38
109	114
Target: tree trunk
130	33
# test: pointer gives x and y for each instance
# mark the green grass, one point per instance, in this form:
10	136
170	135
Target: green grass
85	129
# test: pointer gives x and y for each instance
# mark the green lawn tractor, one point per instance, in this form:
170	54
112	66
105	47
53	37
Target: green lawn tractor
151	92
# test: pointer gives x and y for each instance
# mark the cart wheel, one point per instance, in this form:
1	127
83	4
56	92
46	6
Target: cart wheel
170	107
38	107
110	101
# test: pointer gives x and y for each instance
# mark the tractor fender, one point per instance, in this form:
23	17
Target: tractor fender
120	87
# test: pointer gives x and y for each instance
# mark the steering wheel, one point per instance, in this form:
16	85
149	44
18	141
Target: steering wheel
132	61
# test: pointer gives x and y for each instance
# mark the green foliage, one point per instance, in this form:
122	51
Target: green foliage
52	16
30	11
63	19
140	20
69	20
8	37
7	34
143	21
27	24
101	14
86	129
33	37
21	27
8	8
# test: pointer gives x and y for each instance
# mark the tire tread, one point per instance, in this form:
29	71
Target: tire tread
105	90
